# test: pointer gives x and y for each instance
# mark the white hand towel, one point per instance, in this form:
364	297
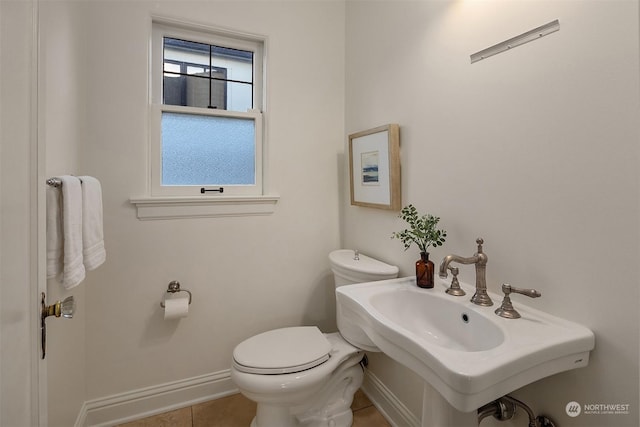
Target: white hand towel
73	272
54	232
93	252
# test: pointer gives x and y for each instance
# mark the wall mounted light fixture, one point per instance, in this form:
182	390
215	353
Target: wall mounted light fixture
523	38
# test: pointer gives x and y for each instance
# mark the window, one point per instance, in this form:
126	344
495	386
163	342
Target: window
206	113
206	92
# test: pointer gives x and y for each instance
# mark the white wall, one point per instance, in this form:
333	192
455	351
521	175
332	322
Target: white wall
246	274
536	150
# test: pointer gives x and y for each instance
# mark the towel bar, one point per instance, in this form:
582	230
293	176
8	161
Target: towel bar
56	182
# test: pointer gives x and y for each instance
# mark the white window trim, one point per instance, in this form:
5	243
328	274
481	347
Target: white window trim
154	206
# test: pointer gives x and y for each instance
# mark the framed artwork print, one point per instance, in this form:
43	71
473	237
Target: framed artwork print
374	167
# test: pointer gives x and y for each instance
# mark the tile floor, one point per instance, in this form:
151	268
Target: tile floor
238	411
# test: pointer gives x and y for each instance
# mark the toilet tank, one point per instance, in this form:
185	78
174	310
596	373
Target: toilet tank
348	268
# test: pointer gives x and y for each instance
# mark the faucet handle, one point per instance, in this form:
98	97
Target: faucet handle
532	293
506	310
455	288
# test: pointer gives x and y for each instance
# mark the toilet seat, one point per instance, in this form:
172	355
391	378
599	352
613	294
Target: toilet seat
282	351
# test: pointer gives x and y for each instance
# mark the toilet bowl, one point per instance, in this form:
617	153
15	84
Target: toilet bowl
299	376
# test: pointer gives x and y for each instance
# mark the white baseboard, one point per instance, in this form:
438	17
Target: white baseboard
149	401
387	403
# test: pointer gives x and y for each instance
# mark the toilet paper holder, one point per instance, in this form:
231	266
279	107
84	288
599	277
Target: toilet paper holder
174	286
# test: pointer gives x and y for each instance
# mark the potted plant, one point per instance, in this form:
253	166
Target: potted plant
423	233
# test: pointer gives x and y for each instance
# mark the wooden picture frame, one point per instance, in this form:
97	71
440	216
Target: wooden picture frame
374	168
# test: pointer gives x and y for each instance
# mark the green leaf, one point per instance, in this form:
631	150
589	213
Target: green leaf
422	231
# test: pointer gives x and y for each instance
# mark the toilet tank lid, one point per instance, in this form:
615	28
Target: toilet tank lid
282	350
344	259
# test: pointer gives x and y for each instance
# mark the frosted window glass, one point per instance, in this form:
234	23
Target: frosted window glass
207	150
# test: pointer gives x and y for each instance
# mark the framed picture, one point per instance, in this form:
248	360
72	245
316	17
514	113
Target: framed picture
374	167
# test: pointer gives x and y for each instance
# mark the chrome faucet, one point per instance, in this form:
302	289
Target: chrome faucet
480	260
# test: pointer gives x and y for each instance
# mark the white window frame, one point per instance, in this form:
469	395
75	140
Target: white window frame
163	202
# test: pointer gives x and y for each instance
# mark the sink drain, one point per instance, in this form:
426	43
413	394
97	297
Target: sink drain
465	317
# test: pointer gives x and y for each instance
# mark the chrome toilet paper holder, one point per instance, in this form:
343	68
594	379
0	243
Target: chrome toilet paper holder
174	286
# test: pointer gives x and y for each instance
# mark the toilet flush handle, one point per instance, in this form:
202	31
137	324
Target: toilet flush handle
356	255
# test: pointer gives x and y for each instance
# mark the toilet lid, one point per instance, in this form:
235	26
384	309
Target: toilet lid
282	351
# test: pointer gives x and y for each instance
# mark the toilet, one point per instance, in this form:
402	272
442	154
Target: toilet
299	376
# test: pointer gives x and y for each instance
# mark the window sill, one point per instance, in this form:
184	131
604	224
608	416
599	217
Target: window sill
155	208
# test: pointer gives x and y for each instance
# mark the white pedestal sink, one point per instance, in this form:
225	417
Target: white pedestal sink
470	355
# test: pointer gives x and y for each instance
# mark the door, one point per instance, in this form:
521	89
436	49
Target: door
22	373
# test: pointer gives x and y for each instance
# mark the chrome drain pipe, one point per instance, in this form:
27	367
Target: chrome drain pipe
503	409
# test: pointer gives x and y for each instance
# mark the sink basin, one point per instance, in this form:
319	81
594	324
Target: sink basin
438	321
470	355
